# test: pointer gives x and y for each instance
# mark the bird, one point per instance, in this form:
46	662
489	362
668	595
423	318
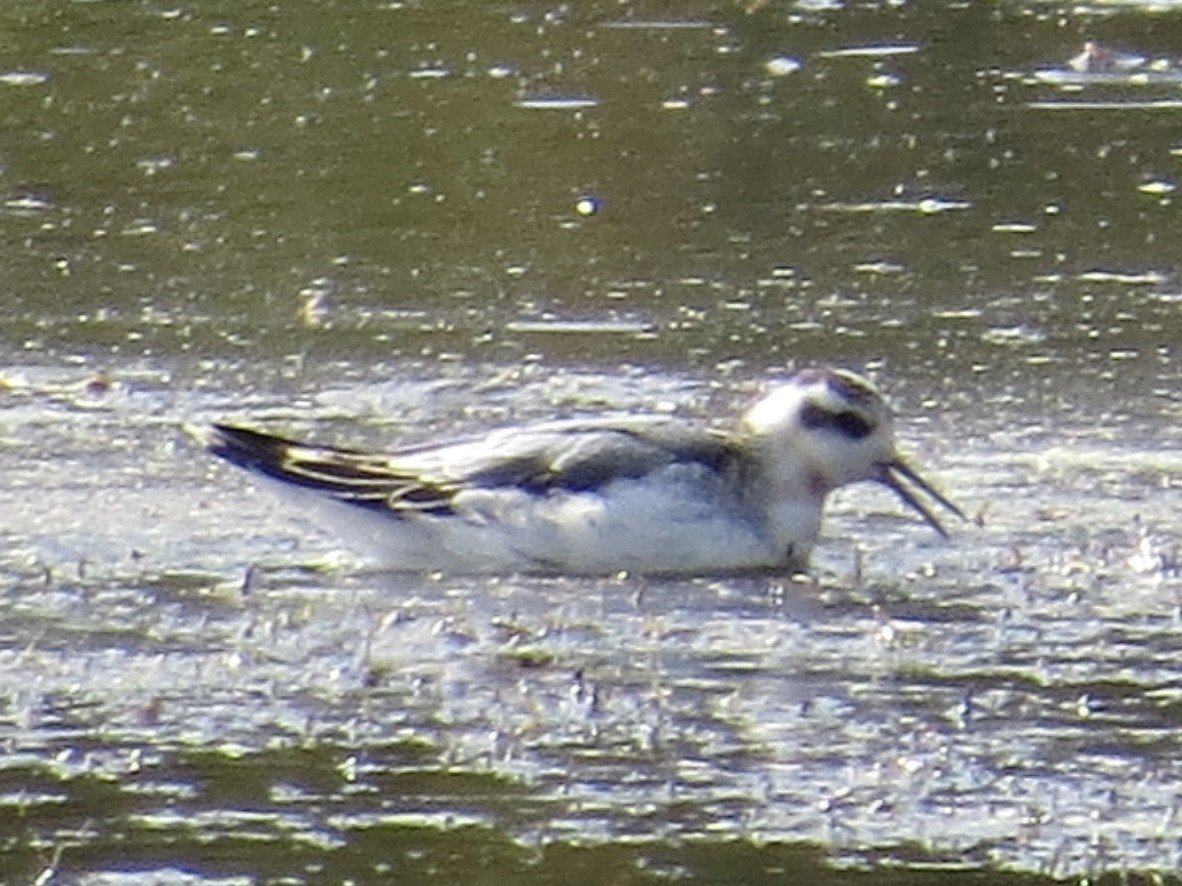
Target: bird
1099	59
635	494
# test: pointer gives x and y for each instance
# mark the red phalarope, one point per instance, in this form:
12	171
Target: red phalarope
639	494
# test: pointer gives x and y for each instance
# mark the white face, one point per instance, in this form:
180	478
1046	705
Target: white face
834	421
836	427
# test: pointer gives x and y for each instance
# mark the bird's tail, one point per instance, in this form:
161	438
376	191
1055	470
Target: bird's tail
359	478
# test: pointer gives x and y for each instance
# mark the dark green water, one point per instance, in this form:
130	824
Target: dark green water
378	222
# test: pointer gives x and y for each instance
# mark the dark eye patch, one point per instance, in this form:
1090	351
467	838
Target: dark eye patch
848	424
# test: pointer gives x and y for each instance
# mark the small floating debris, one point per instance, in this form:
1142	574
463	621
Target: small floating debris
1146	278
1013	335
579	327
782	66
927	206
99	384
587	206
958	314
557	104
660	25
870	51
154	165
1014	228
252	579
23	78
27	203
1157	188
1160	105
141	227
315	303
526	657
880	268
1151	555
73	51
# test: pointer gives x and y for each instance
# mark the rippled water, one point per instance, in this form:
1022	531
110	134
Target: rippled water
368	225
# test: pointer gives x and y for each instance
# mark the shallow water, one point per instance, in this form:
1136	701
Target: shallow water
386	223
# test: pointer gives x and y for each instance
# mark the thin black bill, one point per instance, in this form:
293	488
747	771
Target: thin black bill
901	477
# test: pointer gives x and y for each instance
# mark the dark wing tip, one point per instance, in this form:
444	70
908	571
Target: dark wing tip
247	448
348	475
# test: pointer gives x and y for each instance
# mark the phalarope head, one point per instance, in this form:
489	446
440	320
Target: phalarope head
836	427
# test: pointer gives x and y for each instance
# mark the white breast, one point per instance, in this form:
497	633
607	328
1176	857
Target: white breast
680	519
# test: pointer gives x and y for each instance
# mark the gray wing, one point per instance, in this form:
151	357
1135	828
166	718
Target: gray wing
565	456
583	456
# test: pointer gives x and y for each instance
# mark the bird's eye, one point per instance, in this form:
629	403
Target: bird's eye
848	424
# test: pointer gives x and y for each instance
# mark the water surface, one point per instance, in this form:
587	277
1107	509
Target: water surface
384	222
